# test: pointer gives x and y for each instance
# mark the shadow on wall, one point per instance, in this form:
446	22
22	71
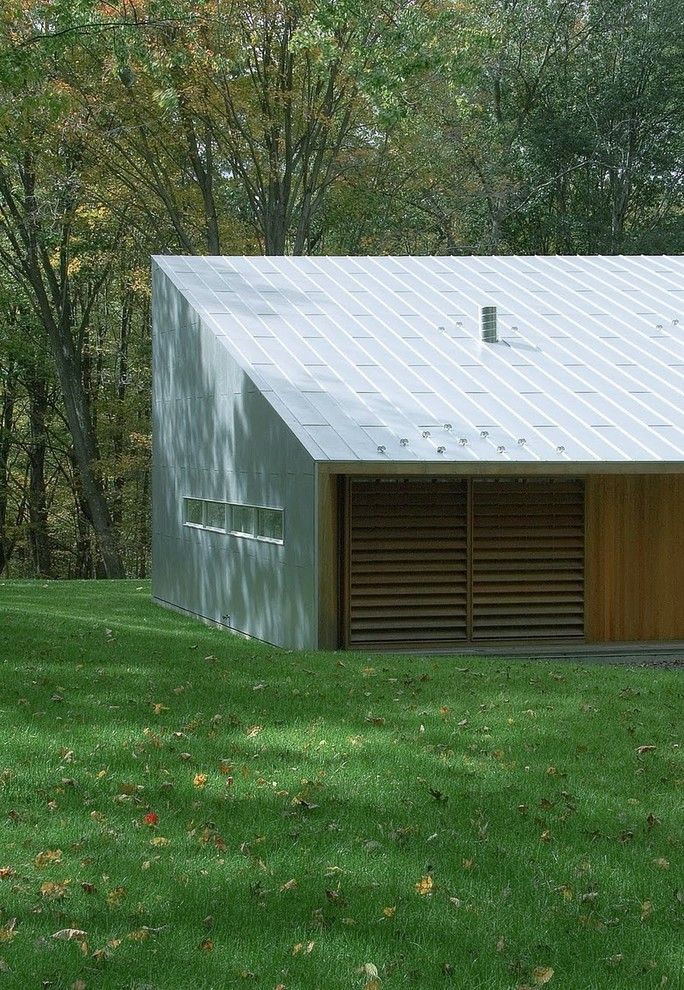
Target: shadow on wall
216	436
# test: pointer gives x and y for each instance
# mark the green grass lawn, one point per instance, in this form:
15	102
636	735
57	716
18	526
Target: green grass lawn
324	820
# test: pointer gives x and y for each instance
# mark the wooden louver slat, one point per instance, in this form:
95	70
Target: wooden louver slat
439	562
408	563
528	560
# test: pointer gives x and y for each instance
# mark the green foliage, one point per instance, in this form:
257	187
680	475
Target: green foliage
295	126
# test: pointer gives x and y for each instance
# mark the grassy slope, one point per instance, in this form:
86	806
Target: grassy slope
522	753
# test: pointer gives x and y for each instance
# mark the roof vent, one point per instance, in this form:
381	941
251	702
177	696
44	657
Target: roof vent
488	324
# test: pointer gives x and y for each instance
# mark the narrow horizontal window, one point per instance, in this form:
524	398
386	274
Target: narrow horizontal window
244	520
270	524
215	515
193	511
254	521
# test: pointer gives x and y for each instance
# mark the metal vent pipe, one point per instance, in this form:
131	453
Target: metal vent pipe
488	324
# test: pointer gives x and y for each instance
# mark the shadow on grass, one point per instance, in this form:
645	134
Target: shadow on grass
352	776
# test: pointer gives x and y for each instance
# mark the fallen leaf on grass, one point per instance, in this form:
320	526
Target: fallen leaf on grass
115	897
55	891
49	856
253	730
160	840
199	780
304	947
129	789
151	818
646	910
640	750
206	945
9	930
389	912
661	862
67	934
290	885
542	975
158	708
424	886
6	872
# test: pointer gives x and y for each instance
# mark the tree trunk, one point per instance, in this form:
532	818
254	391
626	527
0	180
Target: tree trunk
37	500
6	422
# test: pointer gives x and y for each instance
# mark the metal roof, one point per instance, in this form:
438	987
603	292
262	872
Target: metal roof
380	358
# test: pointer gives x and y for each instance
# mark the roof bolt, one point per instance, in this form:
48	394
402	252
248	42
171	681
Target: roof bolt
484	434
560	449
463	441
441	450
514	327
442	329
675	323
659	326
404	442
426	434
522	441
381	448
501	450
459	323
447	426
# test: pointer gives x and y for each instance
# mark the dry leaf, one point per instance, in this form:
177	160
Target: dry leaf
160	840
78	985
661	862
542	975
199	780
6	872
424	886
501	944
54	890
130	789
158	708
206	945
253	730
115	897
67	934
49	856
646	910
9	930
389	912
290	885
644	749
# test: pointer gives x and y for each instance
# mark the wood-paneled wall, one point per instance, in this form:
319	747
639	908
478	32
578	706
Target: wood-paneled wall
634	567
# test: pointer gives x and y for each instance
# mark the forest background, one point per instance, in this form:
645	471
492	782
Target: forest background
143	127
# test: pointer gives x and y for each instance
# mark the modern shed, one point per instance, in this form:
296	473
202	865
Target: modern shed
423	453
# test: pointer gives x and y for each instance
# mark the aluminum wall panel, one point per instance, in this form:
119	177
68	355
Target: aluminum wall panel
216	436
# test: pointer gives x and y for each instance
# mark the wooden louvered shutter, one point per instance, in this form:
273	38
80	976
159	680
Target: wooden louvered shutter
528	559
407	563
